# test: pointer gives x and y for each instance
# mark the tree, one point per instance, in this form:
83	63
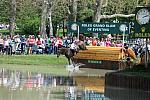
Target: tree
50	17
12	16
57	10
97	14
4	12
74	14
28	16
43	18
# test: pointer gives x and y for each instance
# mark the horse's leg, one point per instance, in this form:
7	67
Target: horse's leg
69	61
72	60
58	54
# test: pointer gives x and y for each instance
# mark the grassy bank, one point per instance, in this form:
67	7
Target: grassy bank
138	70
35	63
50	60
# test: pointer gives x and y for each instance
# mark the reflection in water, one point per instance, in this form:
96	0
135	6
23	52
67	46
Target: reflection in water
16	85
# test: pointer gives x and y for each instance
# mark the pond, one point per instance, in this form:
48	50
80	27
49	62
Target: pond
18	85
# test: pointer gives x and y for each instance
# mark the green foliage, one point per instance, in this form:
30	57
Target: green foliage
4	11
119	7
85	13
122	6
85	9
29	25
28	12
28	20
59	12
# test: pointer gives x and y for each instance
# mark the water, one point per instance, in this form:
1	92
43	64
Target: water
79	85
17	85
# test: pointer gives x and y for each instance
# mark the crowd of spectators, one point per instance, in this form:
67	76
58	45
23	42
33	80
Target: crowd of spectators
102	42
21	44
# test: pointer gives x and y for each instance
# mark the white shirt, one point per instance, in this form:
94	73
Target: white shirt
6	43
73	46
102	43
1	41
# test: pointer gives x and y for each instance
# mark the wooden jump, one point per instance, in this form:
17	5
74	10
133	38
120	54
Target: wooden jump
101	56
101	53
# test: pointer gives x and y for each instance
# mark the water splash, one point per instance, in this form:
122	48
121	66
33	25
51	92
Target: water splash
73	67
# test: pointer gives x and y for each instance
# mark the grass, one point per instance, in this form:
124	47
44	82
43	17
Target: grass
35	63
50	60
138	70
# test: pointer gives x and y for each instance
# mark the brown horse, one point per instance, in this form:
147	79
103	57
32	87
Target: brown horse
128	54
69	54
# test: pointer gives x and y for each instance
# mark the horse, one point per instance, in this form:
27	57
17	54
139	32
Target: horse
128	53
69	53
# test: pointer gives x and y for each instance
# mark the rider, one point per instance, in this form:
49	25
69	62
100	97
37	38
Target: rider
81	44
1	43
128	58
73	47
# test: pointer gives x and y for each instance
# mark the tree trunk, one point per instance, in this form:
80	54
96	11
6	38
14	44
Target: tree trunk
72	10
50	22
12	17
97	14
98	11
74	5
43	19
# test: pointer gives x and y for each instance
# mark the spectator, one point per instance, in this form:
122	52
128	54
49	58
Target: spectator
55	46
6	45
60	42
98	42
94	42
1	44
23	43
136	49
102	42
17	42
108	42
119	44
30	43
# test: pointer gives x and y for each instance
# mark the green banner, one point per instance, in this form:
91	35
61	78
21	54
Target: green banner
87	27
140	31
